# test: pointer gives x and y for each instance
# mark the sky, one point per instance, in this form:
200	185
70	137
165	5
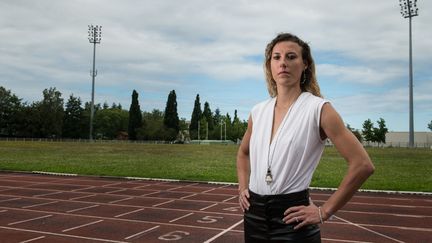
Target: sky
216	49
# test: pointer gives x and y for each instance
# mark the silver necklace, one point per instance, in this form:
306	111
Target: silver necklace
269	176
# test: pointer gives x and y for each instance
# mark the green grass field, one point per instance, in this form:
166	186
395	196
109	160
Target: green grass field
398	169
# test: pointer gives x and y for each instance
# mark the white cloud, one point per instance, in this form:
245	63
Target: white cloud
360	74
157	45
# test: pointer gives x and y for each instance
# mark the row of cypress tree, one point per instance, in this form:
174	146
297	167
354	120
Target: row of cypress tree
53	118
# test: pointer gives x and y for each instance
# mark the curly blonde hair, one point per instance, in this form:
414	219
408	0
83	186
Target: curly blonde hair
311	84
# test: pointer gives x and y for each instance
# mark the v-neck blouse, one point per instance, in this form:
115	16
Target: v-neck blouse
294	151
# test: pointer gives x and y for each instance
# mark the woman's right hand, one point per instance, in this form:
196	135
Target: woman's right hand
244	199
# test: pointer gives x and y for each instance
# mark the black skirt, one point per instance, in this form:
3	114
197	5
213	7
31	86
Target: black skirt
263	222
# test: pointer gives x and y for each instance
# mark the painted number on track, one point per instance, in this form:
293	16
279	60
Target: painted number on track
232	209
209	219
174	235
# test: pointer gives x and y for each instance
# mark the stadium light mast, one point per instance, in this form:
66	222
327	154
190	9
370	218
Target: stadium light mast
408	10
94	36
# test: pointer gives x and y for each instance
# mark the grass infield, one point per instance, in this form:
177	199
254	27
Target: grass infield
398	169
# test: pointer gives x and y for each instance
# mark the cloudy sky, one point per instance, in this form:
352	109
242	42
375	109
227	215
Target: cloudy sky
215	49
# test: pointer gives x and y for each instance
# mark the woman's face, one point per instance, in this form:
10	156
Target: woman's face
287	64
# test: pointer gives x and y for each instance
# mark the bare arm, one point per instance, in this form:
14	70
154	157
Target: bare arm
243	167
360	168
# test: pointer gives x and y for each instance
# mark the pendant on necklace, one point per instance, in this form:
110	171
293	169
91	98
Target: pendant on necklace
269	177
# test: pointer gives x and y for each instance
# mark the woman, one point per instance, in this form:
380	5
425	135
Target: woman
282	146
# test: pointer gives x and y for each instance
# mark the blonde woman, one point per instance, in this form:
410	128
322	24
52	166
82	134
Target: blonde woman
282	146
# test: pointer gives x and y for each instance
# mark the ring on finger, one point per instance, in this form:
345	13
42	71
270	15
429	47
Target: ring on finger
296	219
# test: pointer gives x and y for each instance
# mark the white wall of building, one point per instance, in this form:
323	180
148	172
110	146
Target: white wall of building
401	139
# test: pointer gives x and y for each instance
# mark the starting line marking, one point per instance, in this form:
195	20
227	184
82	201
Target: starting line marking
30	240
223	232
79	209
27	220
141	233
83	225
40	204
63	235
349	241
184	216
123	214
364	228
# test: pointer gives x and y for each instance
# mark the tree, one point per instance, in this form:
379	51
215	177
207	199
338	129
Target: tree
29	121
381	131
368	131
50	113
203	131
135	117
217	118
207	113
105	105
154	128
171	119
237	128
73	116
115	106
196	117
10	107
110	122
430	125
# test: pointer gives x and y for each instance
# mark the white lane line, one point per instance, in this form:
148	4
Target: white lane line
123	214
364	228
63	235
10	199
27	220
40	204
79	209
184	216
174	188
47	194
223	232
148	194
141	233
112	184
81	197
119	200
30	240
226	200
115	191
159	204
194	194
348	241
85	188
83	225
391	227
386	214
202	209
209	190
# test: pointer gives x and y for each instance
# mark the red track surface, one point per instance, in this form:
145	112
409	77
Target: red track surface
44	208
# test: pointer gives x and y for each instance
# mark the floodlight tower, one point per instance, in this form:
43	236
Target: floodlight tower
95	36
408	10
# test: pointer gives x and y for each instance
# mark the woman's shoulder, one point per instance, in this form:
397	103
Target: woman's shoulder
263	104
313	99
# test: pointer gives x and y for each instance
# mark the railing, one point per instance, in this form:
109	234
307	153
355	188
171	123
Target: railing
390	144
328	143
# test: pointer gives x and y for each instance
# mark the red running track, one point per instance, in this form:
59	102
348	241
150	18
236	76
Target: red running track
48	208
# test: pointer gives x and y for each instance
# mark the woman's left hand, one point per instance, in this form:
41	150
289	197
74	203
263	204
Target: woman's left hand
302	215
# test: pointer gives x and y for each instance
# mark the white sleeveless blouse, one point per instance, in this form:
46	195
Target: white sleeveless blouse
295	150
